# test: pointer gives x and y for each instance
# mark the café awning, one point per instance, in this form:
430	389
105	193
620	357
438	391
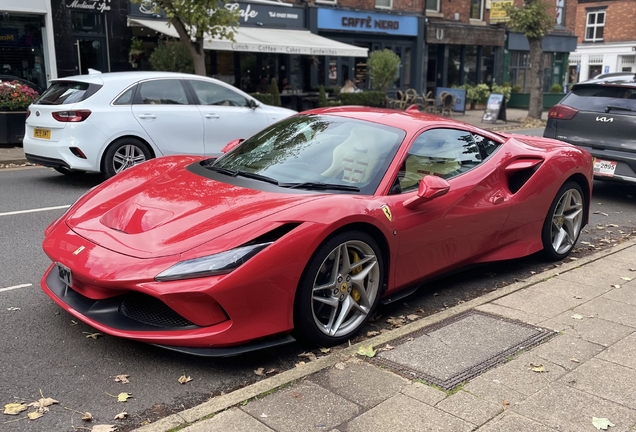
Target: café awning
266	40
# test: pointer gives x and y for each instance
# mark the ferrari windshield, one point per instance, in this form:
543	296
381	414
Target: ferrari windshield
316	152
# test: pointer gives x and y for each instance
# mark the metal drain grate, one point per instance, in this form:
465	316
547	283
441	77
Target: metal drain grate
460	348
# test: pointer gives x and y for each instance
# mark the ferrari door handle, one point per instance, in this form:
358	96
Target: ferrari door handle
147	116
211	116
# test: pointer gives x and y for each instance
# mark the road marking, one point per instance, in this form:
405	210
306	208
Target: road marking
15	287
34	210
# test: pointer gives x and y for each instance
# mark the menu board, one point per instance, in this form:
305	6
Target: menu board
495	108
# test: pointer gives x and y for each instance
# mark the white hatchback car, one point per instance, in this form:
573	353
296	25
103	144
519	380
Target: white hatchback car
112	121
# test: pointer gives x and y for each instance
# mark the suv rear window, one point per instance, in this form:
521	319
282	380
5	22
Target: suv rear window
596	98
67	92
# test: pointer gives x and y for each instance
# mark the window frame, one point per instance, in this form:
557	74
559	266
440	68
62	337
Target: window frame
481	11
137	100
595	26
389	7
437	9
197	100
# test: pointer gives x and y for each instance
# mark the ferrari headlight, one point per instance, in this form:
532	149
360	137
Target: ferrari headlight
217	264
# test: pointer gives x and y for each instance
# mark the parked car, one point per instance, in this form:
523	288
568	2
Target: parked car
306	226
612	77
109	122
600	118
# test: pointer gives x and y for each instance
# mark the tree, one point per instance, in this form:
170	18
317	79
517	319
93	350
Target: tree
273	89
194	19
171	57
383	69
535	21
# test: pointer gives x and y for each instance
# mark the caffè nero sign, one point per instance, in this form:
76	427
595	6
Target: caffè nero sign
89	5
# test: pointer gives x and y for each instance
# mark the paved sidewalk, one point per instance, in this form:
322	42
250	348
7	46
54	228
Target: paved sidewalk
584	366
11	156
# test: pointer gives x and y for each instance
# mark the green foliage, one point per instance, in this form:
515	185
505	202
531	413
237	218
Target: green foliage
476	93
136	50
516	88
266	98
322	97
383	67
556	88
533	19
503	89
273	89
171	57
365	98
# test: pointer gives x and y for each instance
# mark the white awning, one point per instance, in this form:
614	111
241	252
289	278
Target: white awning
266	40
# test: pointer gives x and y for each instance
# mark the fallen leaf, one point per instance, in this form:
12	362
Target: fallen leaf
367	351
505	402
537	368
578	297
573	258
533	272
387	347
33	415
612	225
259	371
103	428
626	278
122	415
308	355
601	213
73	322
372	333
263	415
575	360
601	423
14	408
92	335
44	402
299	364
340	366
13	308
87	416
412	317
184	379
122	379
123	397
435	294
297	395
577	316
632	269
408	339
616	286
325	350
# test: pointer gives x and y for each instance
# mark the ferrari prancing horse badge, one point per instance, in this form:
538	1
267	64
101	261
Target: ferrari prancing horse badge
387	212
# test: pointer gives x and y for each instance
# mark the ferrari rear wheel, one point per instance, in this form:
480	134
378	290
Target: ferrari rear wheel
340	289
564	221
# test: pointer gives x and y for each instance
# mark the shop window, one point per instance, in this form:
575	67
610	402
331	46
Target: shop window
327	1
454	65
87	22
384	4
560	13
432	5
21	50
487	64
595	26
476	9
470	65
519	64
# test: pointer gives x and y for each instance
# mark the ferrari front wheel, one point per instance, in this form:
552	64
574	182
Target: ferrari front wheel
340	289
564	221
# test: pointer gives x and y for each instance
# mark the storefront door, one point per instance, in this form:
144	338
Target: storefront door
90	53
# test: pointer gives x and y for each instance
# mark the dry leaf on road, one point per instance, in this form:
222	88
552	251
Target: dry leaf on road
537	368
325	350
92	335
87	416
184	379
413	317
13	308
103	428
339	366
601	423
259	371
616	286
121	416
308	355
14	408
123	397
299	364
43	402
575	360
33	415
577	316
626	278
372	333
122	379
367	351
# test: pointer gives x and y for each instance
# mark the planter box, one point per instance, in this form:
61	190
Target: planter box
522	100
12	126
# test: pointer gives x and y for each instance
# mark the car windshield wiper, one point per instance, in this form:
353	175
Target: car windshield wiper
222	170
319	186
616	107
236	173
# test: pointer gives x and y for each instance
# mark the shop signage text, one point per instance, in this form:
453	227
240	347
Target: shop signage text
333	19
93	5
498	12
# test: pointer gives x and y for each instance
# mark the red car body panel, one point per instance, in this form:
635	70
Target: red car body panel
146	219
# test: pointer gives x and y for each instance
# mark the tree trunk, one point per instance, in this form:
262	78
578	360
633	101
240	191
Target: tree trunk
535	81
195	48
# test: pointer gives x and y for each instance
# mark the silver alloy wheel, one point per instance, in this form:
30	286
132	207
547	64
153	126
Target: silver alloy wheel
127	156
567	221
344	291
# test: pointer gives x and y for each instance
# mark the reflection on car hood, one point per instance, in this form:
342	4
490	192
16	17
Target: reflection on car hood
172	213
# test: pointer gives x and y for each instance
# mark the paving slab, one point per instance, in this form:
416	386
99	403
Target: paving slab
625	294
622	353
424	393
599	273
609	310
305	406
536	303
460	349
570	410
469	407
564	348
233	420
563	287
494	391
590	328
517	375
361	383
510	421
608	380
510	313
625	257
404	414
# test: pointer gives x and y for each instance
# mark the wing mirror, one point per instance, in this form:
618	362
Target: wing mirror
231	145
430	188
251	103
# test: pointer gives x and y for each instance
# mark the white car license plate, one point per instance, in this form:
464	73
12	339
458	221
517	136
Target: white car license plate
64	274
604	168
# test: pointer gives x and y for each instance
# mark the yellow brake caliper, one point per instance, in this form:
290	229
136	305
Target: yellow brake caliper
354	259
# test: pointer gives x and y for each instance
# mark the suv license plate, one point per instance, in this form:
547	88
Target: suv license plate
604	168
64	274
42	133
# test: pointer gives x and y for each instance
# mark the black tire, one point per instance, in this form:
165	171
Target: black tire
122	154
69	172
564	222
342	289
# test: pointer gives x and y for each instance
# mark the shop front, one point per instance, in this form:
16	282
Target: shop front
372	31
26	41
272	41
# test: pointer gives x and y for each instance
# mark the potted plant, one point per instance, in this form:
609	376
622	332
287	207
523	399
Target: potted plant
14	101
135	52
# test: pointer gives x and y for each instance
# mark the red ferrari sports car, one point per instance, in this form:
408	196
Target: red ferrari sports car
305	227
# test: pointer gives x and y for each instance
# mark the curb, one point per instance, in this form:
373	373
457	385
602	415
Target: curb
223	402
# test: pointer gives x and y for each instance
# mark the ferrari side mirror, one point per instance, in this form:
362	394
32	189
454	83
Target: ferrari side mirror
430	188
234	143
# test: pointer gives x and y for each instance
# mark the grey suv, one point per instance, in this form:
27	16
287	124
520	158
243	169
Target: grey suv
600	118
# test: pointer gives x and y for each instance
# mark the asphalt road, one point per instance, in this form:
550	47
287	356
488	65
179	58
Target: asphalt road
46	353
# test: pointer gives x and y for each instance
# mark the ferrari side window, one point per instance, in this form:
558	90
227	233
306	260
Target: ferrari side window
442	152
486	145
